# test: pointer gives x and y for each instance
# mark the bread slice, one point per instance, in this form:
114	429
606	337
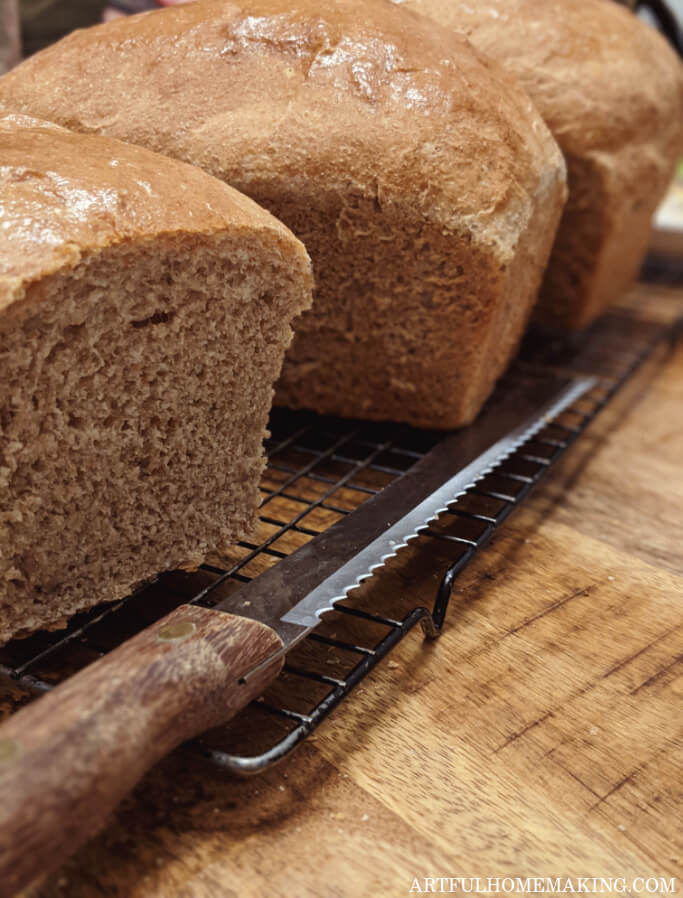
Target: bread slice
611	90
425	186
144	313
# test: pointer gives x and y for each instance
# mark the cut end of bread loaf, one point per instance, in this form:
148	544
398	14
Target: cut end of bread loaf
136	389
145	309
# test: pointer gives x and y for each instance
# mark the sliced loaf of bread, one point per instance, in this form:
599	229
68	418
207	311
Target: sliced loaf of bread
145	310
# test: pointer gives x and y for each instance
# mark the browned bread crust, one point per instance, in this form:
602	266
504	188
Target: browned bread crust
426	187
611	90
64	195
144	315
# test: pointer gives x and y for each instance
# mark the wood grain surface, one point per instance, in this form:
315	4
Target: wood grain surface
540	735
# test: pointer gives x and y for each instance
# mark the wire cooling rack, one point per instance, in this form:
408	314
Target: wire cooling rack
319	470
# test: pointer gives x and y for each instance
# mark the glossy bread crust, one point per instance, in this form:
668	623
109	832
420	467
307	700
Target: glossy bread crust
270	90
63	195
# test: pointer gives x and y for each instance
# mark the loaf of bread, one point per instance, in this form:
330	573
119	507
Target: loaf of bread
425	186
145	309
611	90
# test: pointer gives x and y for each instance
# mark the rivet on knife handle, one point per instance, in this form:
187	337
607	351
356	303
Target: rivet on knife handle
68	758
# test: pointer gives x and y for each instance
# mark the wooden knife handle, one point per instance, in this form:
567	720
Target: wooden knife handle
69	757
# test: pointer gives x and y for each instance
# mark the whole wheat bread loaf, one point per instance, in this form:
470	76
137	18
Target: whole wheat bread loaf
425	186
145	309
611	90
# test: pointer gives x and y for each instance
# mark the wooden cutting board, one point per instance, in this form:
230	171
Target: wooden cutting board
541	735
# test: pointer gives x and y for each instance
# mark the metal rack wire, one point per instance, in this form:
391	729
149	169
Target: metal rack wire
321	469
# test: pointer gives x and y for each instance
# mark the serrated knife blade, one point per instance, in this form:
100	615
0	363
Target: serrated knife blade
292	596
98	731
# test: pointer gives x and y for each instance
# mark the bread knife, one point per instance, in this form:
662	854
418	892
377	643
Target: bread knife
68	758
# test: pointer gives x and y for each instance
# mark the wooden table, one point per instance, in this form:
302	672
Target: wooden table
539	736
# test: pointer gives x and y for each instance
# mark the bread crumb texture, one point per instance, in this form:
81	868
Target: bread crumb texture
144	313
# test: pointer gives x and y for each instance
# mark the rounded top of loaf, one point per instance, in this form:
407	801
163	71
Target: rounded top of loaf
325	96
62	194
599	76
